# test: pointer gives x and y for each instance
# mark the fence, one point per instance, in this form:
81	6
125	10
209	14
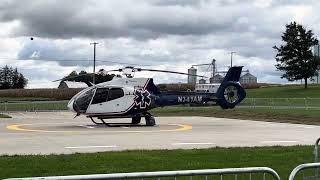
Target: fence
191	174
276	103
313	166
285	103
302	167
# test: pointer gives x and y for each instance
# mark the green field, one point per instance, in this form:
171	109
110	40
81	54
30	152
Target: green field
281	159
18	99
288	91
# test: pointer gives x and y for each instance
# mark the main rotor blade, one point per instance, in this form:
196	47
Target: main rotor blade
173	72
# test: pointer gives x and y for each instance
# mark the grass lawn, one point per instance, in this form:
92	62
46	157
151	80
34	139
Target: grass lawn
281	159
264	114
4	116
290	91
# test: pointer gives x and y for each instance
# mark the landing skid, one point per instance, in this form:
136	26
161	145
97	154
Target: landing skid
100	123
150	121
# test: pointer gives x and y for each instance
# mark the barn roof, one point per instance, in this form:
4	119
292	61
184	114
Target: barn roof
248	74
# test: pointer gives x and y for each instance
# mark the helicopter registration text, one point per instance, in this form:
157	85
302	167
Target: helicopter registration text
189	99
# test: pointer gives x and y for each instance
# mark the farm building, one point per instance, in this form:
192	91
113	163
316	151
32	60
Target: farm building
216	79
248	79
72	84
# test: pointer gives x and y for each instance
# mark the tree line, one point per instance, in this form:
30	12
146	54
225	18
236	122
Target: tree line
10	78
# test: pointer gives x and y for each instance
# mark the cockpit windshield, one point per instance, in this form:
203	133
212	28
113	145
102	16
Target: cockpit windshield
83	101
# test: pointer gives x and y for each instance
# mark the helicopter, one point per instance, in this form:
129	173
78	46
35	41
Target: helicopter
134	97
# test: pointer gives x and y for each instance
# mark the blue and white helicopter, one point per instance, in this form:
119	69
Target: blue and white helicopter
133	97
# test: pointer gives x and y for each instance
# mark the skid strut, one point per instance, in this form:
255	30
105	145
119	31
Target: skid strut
150	121
99	123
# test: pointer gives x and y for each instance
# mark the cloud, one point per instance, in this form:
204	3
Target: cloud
172	34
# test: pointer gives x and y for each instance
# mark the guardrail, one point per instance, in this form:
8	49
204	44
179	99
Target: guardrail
282	103
272	103
302	167
159	174
315	152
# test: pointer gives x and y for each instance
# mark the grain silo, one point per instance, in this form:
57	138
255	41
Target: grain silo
192	78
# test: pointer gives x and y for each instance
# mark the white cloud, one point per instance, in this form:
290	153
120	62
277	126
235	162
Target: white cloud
170	35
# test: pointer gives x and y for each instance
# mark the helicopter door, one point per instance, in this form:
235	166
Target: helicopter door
110	101
100	96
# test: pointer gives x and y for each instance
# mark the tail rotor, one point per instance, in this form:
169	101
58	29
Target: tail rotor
230	92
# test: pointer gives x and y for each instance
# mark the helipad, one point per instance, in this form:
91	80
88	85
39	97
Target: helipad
58	132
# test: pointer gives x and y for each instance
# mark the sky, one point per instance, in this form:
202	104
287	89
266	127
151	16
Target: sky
159	34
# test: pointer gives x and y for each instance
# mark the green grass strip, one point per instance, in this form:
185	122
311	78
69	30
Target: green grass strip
282	159
4	116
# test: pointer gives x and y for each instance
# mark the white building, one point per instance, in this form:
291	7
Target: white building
217	78
248	79
72	84
212	88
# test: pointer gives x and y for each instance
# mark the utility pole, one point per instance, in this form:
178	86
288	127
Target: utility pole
231	53
94	61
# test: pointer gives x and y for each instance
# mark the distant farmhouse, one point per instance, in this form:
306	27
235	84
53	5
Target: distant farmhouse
72	85
248	79
217	78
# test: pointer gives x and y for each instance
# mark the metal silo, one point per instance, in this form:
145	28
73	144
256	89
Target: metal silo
192	78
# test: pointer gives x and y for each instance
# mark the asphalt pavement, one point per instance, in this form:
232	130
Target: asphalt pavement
60	132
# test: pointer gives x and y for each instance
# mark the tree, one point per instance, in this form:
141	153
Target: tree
295	57
11	79
83	76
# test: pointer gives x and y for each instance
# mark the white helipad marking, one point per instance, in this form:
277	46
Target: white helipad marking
267	142
86	126
87	147
193	143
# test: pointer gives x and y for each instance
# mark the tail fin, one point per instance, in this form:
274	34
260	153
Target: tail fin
233	74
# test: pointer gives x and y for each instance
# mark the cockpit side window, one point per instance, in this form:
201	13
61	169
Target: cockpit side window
115	93
100	96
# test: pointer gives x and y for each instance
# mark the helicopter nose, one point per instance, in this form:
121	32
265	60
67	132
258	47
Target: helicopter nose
70	105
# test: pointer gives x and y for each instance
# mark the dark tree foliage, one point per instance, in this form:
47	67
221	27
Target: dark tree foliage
295	57
83	76
10	78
